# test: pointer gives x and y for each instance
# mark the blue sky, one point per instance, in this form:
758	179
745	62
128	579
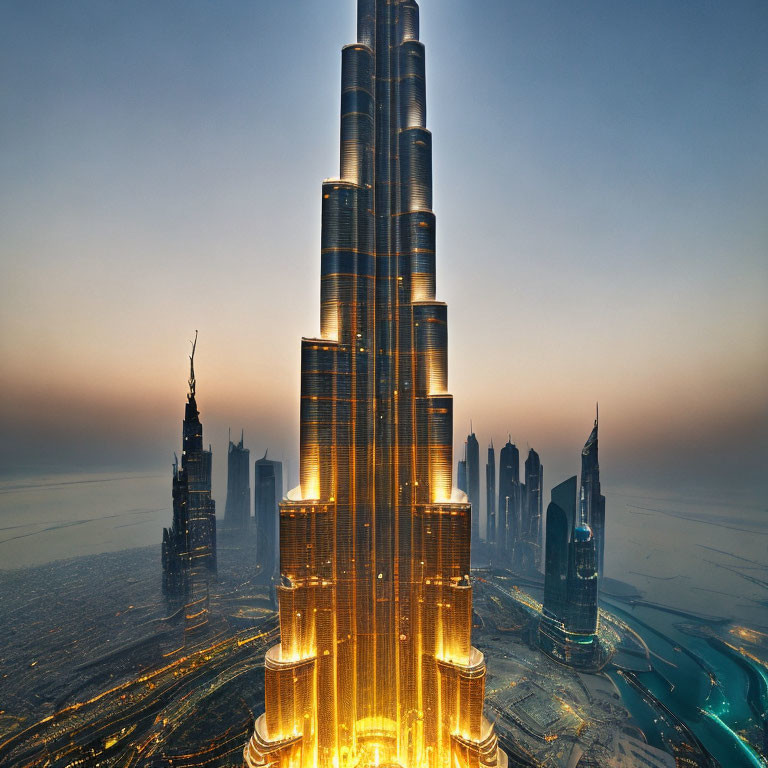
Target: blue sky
601	174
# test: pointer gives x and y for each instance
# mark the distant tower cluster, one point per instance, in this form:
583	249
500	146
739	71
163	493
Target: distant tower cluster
514	509
237	512
189	546
569	622
268	493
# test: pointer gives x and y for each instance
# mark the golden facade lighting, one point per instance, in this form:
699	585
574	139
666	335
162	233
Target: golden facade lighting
375	664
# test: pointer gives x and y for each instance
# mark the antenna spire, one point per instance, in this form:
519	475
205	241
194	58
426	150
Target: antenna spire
192	382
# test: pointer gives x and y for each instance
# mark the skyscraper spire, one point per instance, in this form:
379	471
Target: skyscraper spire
594	501
192	383
375	597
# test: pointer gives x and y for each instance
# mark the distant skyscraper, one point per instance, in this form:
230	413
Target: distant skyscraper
534	483
473	484
375	665
189	546
268	492
569	621
237	512
490	495
461	476
509	509
593	499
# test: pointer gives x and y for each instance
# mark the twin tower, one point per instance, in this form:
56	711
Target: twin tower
375	664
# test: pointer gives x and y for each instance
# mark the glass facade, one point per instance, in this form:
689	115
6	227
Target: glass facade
375	664
594	501
267	493
237	512
530	536
509	517
569	621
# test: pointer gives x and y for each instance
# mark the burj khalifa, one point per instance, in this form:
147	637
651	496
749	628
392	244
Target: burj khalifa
375	665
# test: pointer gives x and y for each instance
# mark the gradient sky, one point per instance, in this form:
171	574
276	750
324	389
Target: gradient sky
601	188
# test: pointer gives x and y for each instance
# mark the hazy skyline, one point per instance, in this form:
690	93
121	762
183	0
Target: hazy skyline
605	238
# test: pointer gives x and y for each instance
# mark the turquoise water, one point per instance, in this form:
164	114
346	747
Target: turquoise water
657	732
714	712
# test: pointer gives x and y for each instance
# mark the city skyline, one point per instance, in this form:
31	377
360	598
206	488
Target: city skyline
586	226
679	331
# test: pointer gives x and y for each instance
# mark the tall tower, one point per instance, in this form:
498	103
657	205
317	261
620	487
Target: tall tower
510	496
461	480
473	483
569	621
189	546
237	511
490	495
375	665
268	492
594	501
534	480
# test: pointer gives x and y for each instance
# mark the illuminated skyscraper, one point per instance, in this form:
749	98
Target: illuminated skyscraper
375	665
189	546
593	499
490	495
473	483
237	511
